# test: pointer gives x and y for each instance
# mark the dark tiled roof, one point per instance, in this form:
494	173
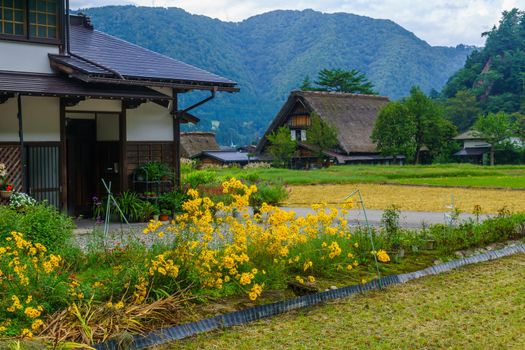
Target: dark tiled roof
472	151
131	61
228	156
54	85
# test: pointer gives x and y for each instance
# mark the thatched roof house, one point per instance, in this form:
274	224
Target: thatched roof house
193	143
353	116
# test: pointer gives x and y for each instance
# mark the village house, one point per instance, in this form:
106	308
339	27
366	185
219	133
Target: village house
474	147
352	115
78	105
193	143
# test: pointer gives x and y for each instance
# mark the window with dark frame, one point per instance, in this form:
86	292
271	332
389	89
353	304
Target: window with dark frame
42	23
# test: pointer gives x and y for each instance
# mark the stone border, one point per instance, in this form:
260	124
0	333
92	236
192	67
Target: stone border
241	317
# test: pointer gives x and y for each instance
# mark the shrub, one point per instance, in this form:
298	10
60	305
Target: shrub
41	223
172	201
271	194
200	177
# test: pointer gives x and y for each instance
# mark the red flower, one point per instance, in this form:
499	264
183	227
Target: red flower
9	188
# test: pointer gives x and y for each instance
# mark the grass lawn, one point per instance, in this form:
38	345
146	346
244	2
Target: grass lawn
446	175
476	307
425	198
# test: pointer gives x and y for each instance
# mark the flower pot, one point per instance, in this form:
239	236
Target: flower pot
164	217
5	194
156	217
428	244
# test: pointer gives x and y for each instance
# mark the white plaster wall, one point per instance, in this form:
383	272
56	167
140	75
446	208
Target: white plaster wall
41	118
107	127
149	122
26	57
96	105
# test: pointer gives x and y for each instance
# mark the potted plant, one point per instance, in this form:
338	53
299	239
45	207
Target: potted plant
156	214
155	171
6	189
164	215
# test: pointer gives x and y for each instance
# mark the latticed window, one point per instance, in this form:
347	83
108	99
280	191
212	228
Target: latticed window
43	19
13	17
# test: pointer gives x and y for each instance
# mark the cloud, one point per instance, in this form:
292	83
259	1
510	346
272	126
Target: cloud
439	22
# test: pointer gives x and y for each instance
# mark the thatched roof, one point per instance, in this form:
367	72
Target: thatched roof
469	135
193	143
353	116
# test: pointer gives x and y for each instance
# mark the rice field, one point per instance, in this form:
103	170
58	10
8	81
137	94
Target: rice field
410	198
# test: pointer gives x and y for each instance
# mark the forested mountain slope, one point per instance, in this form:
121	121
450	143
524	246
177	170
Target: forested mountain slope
270	54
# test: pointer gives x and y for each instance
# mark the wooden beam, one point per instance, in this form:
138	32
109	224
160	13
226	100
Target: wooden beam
123	143
176	140
63	158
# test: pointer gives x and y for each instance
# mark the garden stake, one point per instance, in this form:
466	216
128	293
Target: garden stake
108	209
362	203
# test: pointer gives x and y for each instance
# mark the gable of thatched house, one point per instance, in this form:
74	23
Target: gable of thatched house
193	143
352	115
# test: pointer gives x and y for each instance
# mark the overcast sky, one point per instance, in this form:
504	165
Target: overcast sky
439	22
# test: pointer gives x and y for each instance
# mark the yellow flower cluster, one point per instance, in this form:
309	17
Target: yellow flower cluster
26	266
223	243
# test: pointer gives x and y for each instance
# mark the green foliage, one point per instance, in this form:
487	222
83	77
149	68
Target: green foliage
321	135
409	125
131	205
340	80
272	194
495	128
282	147
41	223
394	131
301	43
197	178
493	78
173	201
154	170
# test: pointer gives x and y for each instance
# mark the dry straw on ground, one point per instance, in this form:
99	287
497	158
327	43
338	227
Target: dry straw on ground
412	198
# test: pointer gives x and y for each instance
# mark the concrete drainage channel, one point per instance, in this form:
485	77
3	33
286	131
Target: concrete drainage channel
242	317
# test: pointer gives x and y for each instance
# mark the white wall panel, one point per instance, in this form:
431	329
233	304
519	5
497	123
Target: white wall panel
26	57
149	122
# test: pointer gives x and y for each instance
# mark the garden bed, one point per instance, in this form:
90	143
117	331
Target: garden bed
213	254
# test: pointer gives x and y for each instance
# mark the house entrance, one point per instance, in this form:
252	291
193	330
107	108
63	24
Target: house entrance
81	165
93	153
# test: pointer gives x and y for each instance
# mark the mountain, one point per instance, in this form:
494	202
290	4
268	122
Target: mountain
270	54
493	78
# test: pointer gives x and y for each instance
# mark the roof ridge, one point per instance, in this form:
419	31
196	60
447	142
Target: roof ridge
337	94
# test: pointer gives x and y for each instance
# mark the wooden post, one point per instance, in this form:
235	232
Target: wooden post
176	141
123	143
63	158
22	146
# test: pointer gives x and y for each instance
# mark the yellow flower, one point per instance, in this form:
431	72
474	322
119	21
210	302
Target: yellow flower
382	256
311	279
37	324
26	333
119	305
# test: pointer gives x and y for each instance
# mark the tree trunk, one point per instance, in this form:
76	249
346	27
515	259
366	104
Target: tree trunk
416	162
492	155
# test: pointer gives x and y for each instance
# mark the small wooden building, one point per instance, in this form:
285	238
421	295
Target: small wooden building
352	115
226	158
474	147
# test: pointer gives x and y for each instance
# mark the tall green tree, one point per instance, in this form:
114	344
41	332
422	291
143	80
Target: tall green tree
394	131
282	147
495	128
432	130
462	109
340	80
321	135
419	121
